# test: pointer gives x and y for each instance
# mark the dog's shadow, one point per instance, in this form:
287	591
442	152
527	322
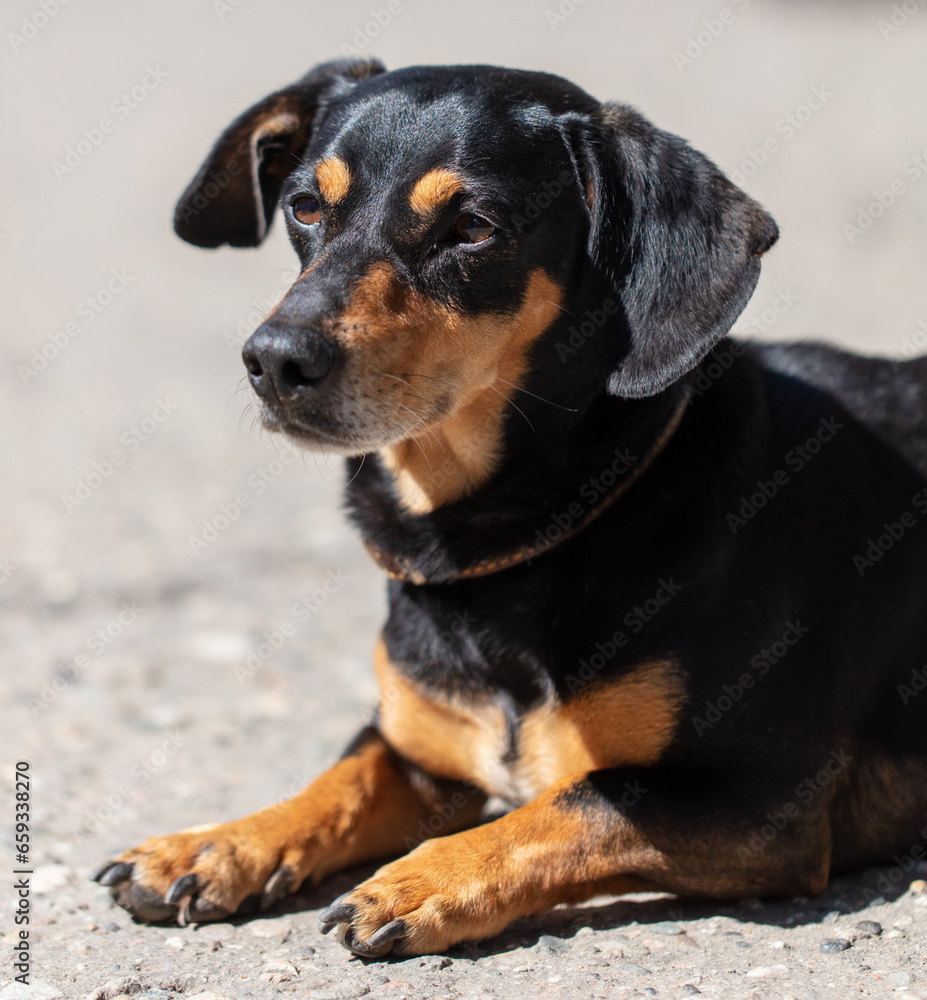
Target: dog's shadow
844	896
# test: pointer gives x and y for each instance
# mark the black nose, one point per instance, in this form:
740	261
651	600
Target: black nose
283	361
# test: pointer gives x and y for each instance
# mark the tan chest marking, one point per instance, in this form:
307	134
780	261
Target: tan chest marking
466	742
626	722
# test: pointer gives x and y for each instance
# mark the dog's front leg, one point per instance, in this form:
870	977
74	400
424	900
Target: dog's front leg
608	832
369	805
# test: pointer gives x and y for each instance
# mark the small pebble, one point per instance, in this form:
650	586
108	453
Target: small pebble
665	927
339	991
649	990
899	978
832	945
689	990
36	990
632	967
174	942
434	963
870	927
112	927
552	944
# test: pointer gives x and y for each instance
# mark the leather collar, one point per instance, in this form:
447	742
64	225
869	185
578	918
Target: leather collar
398	567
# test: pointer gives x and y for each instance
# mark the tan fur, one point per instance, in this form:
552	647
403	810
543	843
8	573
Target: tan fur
559	849
334	177
455	374
626	722
473	884
629	721
457	741
362	808
431	191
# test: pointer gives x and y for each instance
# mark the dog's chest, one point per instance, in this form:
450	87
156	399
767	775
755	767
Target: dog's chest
624	722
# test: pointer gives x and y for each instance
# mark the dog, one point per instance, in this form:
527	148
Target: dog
661	591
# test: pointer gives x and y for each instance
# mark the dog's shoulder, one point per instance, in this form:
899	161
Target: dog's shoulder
889	397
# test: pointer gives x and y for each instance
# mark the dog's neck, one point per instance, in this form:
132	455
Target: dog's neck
449	461
541	469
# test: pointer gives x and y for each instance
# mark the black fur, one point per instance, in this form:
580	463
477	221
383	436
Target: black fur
649	226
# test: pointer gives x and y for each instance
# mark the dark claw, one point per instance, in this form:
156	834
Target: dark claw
378	944
100	869
278	885
202	911
394	929
338	913
144	903
119	872
186	885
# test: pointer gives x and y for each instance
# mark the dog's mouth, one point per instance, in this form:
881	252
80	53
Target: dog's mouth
354	416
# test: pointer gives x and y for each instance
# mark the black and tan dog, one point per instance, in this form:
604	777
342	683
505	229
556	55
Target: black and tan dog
664	593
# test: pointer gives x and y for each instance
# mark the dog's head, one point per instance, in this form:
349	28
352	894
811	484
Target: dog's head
460	228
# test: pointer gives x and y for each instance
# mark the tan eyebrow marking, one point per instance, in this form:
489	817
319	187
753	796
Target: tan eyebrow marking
434	188
334	177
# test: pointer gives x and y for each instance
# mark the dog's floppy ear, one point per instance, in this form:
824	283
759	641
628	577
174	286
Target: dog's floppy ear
680	243
232	198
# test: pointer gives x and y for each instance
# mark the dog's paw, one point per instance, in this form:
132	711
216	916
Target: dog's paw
198	875
419	905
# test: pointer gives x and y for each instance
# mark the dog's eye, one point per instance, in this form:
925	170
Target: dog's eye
473	229
307	210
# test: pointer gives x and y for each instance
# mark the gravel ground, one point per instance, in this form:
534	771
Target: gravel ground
121	643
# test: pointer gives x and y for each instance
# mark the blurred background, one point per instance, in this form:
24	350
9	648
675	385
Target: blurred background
149	678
